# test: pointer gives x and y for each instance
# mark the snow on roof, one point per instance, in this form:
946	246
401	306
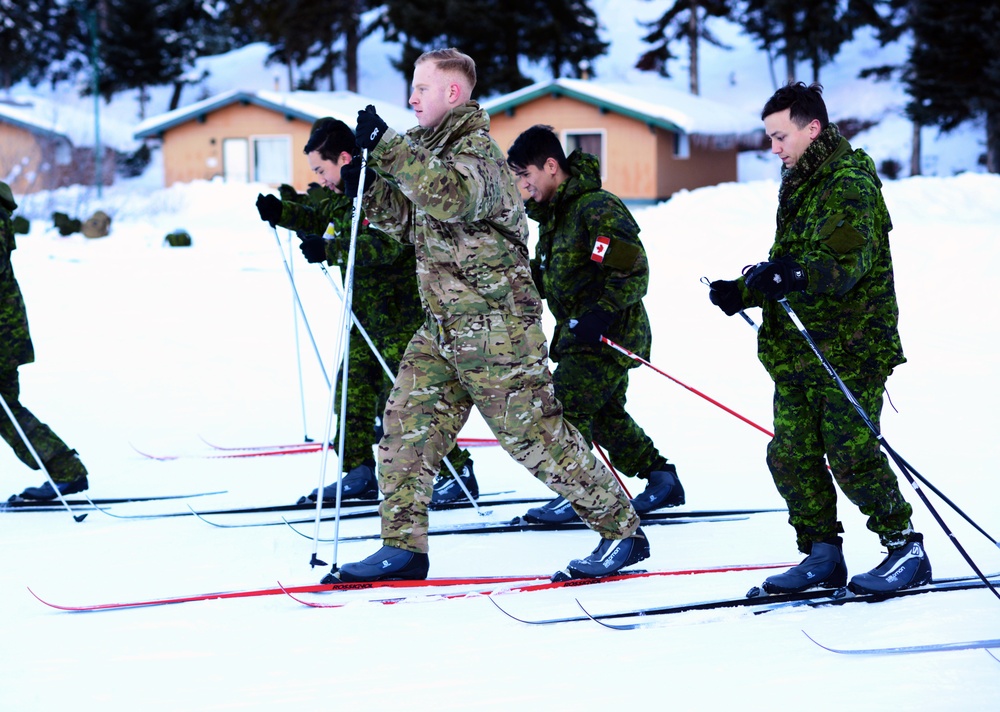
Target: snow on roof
40	115
652	103
305	105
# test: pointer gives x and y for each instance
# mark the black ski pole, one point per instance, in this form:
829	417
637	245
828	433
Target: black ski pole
903	466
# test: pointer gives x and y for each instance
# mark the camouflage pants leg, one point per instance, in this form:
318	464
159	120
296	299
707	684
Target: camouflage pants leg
54	453
366	381
499	364
592	389
813	421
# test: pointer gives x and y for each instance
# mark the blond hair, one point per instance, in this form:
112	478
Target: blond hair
451	60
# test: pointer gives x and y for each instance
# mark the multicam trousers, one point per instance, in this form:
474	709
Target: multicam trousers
813	421
498	363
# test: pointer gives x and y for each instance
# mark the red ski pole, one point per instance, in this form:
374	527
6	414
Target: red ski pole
640	359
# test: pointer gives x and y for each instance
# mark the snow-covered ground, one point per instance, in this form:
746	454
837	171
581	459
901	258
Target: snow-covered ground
149	347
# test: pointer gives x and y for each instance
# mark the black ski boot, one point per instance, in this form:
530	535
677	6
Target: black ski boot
46	492
610	556
906	566
359	483
663	490
558	511
823	568
387	564
446	489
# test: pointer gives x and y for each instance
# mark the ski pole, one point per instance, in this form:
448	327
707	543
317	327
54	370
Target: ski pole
298	348
41	465
607	461
640	359
302	311
903	466
746	318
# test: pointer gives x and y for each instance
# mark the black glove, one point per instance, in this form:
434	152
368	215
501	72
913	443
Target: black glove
350	176
590	327
776	279
725	294
269	208
370	128
288	193
313	248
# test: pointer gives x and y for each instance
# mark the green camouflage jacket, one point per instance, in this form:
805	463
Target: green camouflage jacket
589	255
834	222
448	192
15	340
385	297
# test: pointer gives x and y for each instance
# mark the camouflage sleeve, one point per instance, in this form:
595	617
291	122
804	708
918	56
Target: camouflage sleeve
614	235
845	233
467	187
301	218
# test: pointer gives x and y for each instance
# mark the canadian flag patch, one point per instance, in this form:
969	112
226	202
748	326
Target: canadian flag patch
600	248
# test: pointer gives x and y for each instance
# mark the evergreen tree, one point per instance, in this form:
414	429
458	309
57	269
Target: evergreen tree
497	35
30	39
684	20
953	74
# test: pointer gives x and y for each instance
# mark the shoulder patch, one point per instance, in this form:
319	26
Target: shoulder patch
600	248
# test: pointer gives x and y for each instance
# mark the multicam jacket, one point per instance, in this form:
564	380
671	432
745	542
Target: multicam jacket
589	255
833	221
385	296
450	194
15	340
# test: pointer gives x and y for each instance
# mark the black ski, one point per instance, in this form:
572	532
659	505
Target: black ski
910	649
15	503
519	524
759	604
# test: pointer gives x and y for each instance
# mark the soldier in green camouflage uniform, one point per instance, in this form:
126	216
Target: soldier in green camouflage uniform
591	269
831	261
444	188
385	301
62	463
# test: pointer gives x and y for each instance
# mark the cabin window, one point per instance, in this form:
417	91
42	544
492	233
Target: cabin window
235	160
682	145
272	159
589	142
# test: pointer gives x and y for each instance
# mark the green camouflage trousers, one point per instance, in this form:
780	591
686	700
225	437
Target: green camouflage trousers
810	421
592	389
58	458
367	391
499	364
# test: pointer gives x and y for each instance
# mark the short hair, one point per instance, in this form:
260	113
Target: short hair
535	146
451	60
805	103
330	137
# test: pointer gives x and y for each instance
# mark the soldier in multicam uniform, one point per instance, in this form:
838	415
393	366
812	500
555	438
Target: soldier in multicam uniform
591	269
831	261
445	188
386	302
62	463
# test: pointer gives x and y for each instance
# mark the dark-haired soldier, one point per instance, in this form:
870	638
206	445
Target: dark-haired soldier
62	463
831	262
591	270
386	302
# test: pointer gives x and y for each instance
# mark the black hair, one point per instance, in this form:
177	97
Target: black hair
805	103
534	146
330	137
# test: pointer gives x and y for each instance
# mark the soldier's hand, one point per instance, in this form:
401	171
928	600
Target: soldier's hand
590	327
776	279
313	248
269	208
725	294
350	176
370	128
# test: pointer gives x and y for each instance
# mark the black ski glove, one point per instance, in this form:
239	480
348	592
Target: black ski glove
776	279
725	294
313	248
590	327
350	176
269	208
370	128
